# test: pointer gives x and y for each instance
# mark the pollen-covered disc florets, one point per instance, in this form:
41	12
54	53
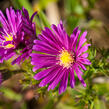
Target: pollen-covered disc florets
66	59
10	39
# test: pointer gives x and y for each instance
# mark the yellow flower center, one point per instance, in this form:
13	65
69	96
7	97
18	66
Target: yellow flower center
9	46
66	59
9	38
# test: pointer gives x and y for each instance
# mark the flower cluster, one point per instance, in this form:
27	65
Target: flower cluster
57	53
17	32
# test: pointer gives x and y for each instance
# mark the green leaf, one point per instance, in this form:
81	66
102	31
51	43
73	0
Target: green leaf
92	105
43	19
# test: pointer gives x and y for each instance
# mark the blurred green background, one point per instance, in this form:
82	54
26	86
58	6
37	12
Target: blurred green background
20	91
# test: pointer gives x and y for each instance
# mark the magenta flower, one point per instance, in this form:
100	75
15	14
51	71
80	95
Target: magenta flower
17	32
61	55
10	33
29	30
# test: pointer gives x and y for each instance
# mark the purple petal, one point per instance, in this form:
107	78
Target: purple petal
57	79
83	49
55	42
82	40
73	44
84	61
50	77
44	73
25	13
63	35
44	50
63	83
46	45
17	60
10	20
72	78
43	56
79	70
74	33
41	59
85	55
4	21
79	76
41	62
55	30
8	56
33	16
49	39
82	66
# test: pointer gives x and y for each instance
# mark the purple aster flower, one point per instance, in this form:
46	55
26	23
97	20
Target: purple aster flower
10	33
60	55
29	30
17	32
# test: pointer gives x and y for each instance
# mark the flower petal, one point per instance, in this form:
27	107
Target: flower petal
83	49
79	76
82	66
44	73
84	61
50	77
57	79
64	82
72	78
82	40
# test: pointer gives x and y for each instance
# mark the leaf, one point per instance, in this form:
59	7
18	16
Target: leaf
92	105
44	19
